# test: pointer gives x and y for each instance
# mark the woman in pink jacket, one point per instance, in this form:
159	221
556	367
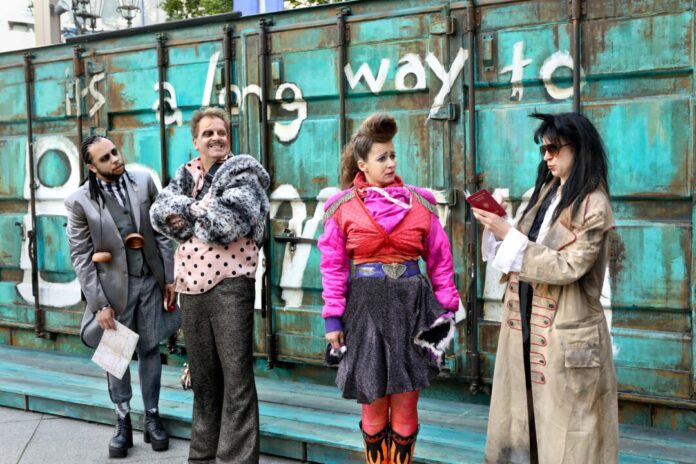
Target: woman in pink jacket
387	326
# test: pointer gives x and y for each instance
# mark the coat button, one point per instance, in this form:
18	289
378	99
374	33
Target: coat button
511	324
552	306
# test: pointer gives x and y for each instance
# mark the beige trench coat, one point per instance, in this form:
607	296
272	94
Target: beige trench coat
573	378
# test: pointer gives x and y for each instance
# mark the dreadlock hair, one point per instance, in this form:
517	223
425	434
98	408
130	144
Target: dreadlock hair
377	128
95	192
590	167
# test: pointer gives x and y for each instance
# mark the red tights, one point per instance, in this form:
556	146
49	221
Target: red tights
404	414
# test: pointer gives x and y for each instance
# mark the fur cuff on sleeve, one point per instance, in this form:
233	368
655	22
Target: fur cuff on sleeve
437	338
173	205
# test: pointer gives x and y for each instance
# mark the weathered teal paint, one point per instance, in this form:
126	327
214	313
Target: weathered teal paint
637	67
12	166
54	168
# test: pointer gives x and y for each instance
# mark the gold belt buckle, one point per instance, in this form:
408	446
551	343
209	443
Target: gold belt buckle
394	271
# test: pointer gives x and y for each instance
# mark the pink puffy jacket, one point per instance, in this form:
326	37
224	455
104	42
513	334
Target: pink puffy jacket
335	261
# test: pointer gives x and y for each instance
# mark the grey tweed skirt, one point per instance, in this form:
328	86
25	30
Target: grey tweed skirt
382	319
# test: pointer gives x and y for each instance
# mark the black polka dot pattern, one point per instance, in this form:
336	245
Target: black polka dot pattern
213	263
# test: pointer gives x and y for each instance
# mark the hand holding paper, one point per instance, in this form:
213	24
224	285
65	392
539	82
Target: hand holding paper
115	350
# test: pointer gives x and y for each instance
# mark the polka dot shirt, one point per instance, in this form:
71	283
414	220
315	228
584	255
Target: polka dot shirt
201	266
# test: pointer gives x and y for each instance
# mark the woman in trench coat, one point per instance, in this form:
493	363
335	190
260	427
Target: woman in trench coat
554	388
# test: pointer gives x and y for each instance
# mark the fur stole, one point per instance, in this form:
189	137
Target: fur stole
238	207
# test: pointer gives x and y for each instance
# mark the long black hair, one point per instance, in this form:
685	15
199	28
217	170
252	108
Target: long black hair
95	192
589	170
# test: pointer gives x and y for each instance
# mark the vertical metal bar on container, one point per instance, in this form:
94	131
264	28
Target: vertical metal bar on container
267	296
447	177
473	360
39	315
341	45
162	62
576	44
79	71
228	52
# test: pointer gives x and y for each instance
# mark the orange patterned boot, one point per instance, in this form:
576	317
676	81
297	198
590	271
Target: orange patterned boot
376	446
401	449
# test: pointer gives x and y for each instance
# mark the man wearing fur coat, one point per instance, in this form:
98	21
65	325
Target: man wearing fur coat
216	207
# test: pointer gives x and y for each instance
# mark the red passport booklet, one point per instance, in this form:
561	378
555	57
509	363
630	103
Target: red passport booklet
485	201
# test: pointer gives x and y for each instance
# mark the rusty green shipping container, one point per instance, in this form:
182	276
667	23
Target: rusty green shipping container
460	77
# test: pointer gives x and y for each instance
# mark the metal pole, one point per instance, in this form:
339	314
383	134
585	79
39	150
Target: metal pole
342	59
576	19
267	303
472	183
229	54
39	315
162	61
79	71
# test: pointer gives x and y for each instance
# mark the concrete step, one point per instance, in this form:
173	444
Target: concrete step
298	420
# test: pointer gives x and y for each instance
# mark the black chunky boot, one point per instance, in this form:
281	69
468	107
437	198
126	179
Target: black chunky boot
154	432
402	447
122	439
376	446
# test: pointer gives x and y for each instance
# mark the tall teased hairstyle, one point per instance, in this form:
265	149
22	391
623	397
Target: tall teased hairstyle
377	128
589	171
94	190
211	112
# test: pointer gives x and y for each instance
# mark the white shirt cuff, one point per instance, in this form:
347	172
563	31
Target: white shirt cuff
489	246
510	254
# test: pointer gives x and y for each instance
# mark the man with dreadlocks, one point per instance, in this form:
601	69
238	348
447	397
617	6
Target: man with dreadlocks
126	271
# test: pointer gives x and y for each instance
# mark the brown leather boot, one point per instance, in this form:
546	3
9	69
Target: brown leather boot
376	446
401	449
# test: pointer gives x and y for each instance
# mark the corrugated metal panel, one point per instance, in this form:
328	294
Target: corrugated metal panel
408	58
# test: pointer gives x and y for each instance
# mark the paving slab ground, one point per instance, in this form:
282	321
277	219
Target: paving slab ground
34	438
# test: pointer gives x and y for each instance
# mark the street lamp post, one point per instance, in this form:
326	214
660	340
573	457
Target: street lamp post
128	9
87	9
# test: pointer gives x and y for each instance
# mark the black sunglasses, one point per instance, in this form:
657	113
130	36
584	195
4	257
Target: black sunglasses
552	148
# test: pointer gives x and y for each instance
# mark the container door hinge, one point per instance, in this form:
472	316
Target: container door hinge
488	52
277	70
94	68
451	196
472	19
577	9
476	179
288	236
447	112
443	26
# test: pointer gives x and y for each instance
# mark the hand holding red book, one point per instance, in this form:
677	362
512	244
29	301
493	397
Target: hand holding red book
485	201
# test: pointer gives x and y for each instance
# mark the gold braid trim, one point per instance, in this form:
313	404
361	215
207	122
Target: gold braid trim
338	203
423	201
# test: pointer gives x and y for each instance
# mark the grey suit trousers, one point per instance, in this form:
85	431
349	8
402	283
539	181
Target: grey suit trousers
218	329
144	299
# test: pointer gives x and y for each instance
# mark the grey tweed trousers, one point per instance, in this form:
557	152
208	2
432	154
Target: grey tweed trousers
218	329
